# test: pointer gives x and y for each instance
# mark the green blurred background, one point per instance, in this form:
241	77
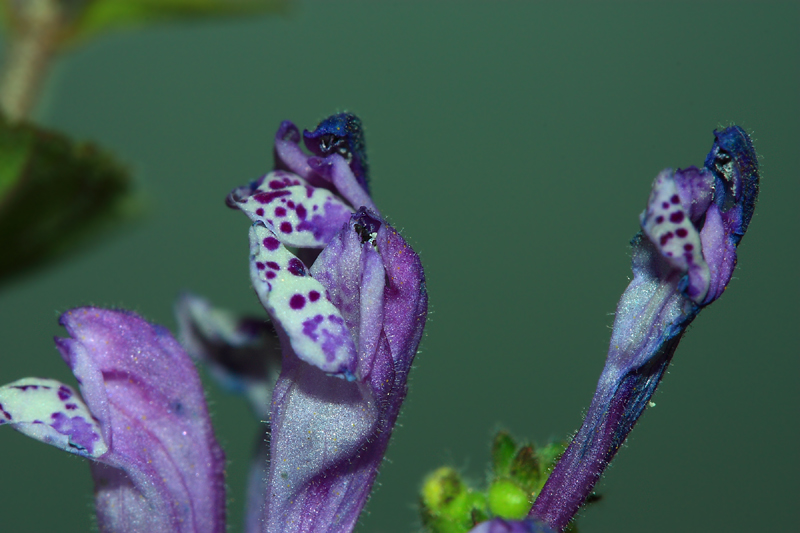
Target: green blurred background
514	145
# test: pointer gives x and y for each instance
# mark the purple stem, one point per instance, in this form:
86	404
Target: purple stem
612	415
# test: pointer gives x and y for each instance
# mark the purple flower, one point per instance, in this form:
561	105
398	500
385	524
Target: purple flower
682	261
348	305
307	199
243	354
141	417
349	327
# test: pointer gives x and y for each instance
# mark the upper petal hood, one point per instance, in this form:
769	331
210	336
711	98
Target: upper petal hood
163	471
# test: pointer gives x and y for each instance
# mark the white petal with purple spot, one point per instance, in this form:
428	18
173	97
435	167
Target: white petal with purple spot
51	412
299	214
298	302
666	223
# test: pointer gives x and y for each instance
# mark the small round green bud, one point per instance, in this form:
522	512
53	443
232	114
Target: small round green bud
507	500
440	488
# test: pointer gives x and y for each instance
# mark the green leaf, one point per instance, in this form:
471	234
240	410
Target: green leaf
55	195
503	449
102	15
14	147
525	469
549	455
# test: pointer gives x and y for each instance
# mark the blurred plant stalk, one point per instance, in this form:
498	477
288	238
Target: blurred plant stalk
39	29
36	30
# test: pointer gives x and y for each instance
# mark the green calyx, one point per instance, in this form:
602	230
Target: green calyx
448	505
518	473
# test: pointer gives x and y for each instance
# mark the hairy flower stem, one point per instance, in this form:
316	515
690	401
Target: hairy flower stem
603	432
33	42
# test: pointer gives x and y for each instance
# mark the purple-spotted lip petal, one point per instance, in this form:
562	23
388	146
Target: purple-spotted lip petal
667	223
240	194
299	214
52	412
300	305
242	353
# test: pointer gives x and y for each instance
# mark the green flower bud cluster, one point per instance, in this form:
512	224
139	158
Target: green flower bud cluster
448	505
518	473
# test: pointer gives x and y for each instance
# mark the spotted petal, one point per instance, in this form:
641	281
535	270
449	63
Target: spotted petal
667	223
301	215
51	412
300	304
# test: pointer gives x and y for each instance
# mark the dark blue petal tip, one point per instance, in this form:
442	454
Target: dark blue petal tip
341	134
734	163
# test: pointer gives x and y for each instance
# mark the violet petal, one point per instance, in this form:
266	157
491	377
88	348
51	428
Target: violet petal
288	154
164	471
499	525
321	461
335	168
354	278
257	484
328	435
243	354
719	249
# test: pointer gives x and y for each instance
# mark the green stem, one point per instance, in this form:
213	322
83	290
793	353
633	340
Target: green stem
33	43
